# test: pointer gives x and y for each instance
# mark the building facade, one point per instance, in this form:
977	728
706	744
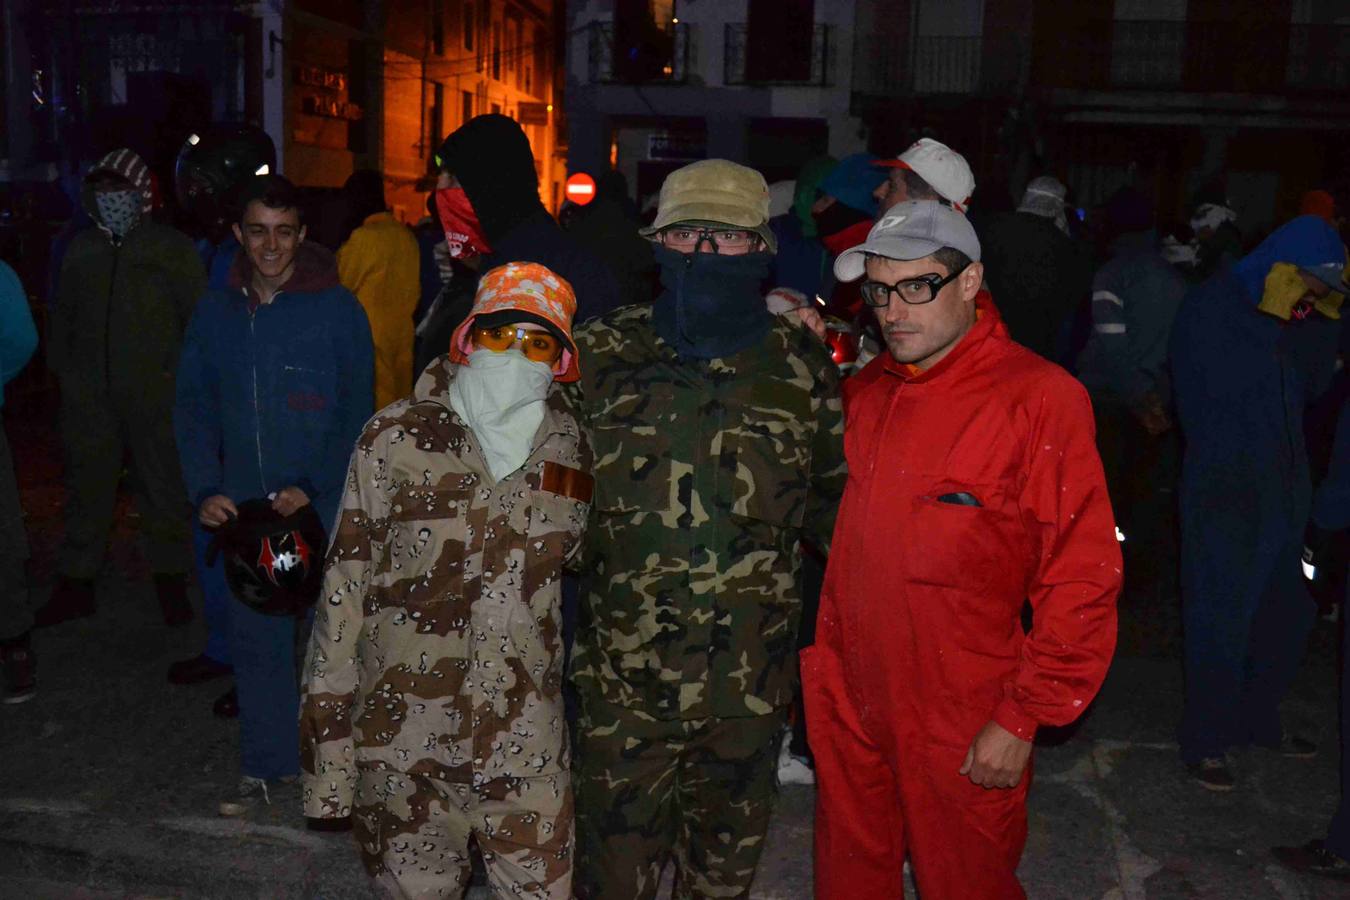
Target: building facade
339	85
1244	99
654	84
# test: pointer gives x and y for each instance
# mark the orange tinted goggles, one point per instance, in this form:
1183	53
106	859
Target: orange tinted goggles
538	346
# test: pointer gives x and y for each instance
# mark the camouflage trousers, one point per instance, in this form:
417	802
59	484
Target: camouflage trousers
414	834
700	791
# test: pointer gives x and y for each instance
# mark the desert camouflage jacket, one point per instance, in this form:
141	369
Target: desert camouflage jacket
707	474
437	647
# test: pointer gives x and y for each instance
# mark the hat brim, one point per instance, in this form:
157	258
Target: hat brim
1332	276
712	215
852	263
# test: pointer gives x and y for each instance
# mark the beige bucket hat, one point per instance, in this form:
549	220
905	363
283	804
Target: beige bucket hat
715	192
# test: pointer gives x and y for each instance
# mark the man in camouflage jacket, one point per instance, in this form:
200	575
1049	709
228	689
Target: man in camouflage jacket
432	706
718	433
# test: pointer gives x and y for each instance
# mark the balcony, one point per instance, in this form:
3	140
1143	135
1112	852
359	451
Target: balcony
662	59
736	70
886	66
1244	57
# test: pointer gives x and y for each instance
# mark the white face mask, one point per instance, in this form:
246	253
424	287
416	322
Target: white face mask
500	396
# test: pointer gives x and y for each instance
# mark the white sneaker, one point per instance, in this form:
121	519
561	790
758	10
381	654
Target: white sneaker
793	769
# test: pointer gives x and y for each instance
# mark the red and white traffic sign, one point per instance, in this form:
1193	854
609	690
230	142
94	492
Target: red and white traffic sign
580	188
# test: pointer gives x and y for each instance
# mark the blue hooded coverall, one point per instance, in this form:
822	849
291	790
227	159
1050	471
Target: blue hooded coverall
1242	379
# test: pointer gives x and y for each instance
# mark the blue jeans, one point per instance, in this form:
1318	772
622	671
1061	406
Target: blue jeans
266	676
216	598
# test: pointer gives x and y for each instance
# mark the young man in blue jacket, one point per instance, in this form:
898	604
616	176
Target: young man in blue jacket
275	384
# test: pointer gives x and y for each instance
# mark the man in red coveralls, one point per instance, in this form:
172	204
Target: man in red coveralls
974	484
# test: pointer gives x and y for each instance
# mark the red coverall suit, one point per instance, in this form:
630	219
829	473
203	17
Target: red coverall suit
919	642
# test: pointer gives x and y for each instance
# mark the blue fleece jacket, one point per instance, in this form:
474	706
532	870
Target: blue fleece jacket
275	395
18	337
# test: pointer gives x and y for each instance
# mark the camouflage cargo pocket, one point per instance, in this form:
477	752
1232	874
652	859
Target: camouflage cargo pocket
771	462
632	440
426	545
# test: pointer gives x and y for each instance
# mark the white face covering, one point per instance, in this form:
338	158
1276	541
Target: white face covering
501	397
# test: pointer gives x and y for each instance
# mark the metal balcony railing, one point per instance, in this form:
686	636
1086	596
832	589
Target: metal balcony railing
735	70
648	65
888	66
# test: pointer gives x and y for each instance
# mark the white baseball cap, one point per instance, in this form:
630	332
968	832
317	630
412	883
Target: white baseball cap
910	230
945	170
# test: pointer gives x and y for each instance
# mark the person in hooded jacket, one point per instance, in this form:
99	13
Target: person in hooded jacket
274	386
1037	274
802	263
608	228
380	264
717	436
126	292
1250	348
487	197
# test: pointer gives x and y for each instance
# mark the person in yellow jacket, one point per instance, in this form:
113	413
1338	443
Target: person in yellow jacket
379	263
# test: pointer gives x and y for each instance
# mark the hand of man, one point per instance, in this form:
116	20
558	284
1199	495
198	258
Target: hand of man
216	510
997	758
288	500
812	319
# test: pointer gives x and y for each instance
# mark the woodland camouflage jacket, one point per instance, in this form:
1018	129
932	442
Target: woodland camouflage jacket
707	475
437	645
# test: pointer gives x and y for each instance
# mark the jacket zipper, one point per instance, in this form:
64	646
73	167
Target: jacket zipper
257	410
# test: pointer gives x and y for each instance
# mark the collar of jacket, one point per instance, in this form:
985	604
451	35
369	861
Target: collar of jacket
433	386
987	324
374	218
315	270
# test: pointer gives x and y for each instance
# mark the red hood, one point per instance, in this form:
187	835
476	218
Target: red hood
315	270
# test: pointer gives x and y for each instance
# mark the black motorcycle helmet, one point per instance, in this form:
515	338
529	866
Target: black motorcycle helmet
212	166
273	563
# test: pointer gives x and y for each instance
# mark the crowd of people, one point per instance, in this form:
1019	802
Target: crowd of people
589	495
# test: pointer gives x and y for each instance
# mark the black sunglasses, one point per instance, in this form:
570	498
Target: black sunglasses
913	291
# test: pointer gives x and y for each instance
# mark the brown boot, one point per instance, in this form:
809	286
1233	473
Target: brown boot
173	600
72	598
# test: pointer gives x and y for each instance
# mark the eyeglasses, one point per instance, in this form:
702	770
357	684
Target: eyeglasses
913	291
538	346
685	240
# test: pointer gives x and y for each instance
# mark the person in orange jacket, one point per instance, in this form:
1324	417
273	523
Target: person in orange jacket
974	485
381	264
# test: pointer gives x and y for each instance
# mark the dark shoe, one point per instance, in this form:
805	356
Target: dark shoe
1213	773
1296	747
227	705
173	601
20	668
1313	858
72	598
196	670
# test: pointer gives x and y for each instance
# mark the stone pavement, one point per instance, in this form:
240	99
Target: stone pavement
111	777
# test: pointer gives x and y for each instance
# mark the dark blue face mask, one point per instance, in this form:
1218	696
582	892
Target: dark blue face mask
711	306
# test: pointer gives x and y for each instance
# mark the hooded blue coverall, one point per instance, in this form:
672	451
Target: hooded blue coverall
1242	379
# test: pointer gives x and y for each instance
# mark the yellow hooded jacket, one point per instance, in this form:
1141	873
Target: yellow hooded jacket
380	265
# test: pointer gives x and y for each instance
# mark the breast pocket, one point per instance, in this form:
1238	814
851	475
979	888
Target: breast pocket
768	459
423	571
632	440
960	534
